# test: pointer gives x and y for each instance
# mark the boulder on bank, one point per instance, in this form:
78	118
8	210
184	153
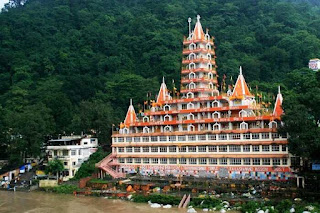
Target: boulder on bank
155	205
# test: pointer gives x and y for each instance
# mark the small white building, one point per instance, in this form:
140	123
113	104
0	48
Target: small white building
72	151
314	64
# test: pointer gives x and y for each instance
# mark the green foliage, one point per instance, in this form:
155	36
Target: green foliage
54	167
283	206
88	168
156	198
98	181
71	67
302	113
206	202
63	189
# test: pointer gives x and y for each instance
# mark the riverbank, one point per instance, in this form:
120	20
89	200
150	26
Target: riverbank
200	202
39	202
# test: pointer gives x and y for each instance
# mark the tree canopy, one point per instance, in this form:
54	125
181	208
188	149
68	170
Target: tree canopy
72	66
302	113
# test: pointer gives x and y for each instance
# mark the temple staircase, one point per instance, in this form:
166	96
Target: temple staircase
106	165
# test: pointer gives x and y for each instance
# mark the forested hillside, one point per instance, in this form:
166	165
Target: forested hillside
71	66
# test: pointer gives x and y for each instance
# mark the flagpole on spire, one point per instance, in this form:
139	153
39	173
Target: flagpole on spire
189	20
240	70
162	79
198	18
130	101
279	91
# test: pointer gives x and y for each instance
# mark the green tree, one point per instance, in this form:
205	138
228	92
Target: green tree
302	113
54	167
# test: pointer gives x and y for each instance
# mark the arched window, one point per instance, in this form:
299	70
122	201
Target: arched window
209	56
190	95
167	129
190	116
192	85
207	37
243	113
216	127
210	75
190	106
125	131
209	66
273	124
243	125
145	119
153	109
167	118
192	56
192	66
208	46
191	128
192	46
215	103
216	115
192	75
146	129
166	107
211	85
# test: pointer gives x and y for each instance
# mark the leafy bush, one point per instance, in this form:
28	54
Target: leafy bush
98	181
206	202
156	198
88	168
62	189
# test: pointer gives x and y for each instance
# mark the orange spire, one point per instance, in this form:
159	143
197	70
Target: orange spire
163	92
198	31
278	111
131	115
241	88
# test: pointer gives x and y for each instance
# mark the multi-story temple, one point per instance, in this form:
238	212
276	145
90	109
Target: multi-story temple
203	132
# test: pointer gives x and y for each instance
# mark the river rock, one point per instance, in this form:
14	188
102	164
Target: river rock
310	208
223	211
168	206
205	210
226	203
155	205
191	210
292	210
260	211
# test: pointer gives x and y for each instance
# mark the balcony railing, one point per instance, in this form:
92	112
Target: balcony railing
210	41
265	134
197	50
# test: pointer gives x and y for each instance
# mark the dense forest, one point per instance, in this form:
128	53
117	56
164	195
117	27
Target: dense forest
72	66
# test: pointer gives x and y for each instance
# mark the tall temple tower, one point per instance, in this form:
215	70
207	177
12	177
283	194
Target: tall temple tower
198	75
203	132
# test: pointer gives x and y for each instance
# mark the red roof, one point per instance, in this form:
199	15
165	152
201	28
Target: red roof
163	94
131	115
198	31
278	111
241	88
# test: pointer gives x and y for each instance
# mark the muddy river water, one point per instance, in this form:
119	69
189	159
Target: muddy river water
34	202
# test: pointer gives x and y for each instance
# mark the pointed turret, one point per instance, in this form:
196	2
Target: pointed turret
198	31
241	89
163	94
131	115
278	111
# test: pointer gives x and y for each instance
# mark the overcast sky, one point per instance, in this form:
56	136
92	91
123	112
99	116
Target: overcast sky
2	2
